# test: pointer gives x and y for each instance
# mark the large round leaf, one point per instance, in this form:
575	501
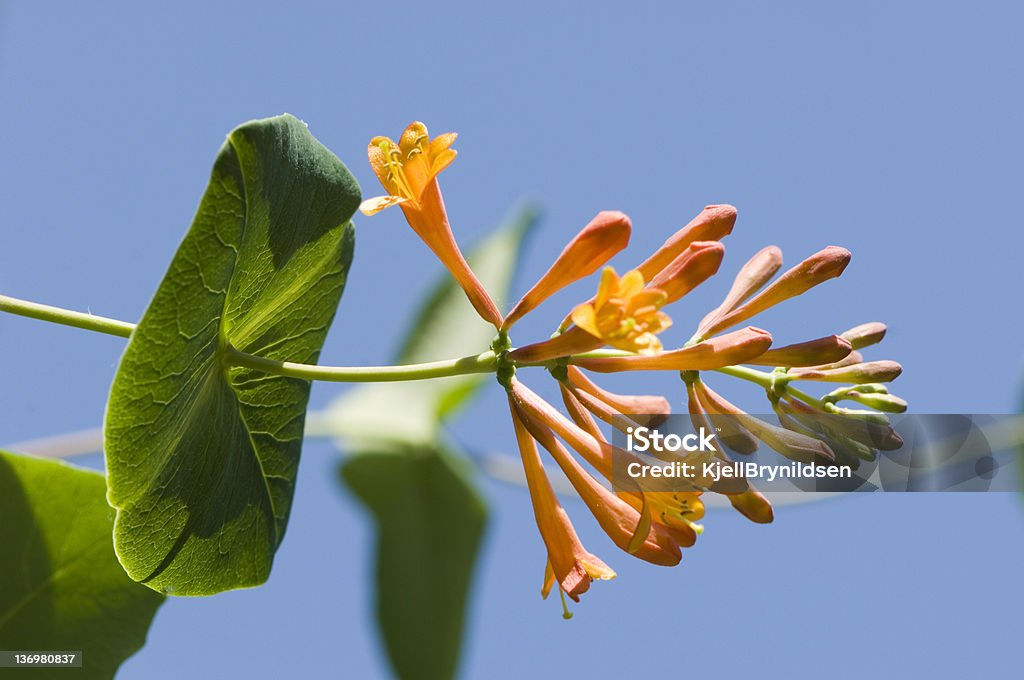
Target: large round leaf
201	455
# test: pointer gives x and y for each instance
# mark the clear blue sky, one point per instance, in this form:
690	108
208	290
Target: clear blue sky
890	128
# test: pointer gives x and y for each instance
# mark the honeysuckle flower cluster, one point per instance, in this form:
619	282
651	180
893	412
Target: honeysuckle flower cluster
626	315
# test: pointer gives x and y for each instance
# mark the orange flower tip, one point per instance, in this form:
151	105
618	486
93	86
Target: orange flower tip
720	219
771	256
759	333
829	262
865	334
611	219
699	262
722	211
754	506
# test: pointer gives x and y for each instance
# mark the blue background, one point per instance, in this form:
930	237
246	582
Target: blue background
890	128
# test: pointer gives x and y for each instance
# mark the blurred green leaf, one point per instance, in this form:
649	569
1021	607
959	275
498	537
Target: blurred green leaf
430	518
430	521
445	327
61	587
202	456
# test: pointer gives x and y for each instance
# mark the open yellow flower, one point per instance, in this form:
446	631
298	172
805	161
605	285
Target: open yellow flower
407	168
625	314
408	171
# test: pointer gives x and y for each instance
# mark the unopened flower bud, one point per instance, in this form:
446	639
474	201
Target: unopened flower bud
865	334
811	353
824	265
595	244
792	445
753	505
758	271
867	372
889	403
699	262
712	224
733	348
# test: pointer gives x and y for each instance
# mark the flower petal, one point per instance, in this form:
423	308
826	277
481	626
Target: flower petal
372	206
585	317
414	138
580	415
442	143
730	431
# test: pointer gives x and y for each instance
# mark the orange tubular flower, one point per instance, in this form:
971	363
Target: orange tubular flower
758	271
607	234
573	567
408	171
648	405
623	524
812	353
627	521
725	350
714	223
699	262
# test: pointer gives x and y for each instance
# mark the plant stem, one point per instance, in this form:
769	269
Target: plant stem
480	363
765	380
34	310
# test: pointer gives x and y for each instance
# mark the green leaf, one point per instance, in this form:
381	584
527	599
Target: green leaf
61	587
202	456
430	522
445	327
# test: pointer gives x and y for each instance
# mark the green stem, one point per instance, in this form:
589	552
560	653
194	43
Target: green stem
480	363
764	379
34	310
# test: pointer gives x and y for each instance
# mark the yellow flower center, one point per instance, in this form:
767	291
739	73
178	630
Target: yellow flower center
625	314
394	178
